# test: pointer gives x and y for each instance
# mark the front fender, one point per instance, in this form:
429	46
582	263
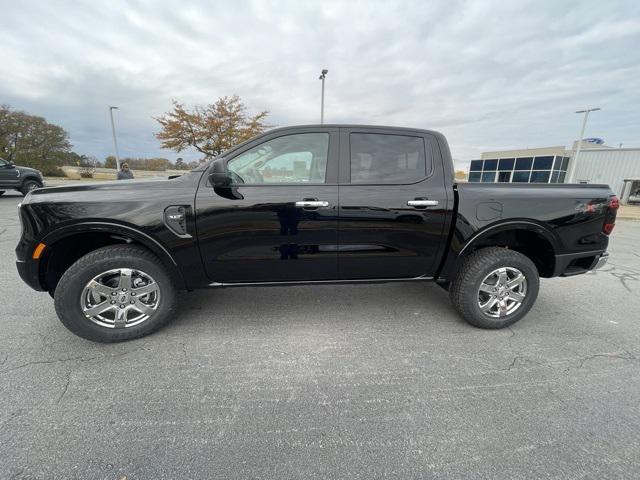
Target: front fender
121	230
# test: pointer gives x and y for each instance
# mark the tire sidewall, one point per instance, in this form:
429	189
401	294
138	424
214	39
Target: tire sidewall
69	291
25	186
513	260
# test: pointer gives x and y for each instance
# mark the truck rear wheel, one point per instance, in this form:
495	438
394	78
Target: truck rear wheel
115	293
495	287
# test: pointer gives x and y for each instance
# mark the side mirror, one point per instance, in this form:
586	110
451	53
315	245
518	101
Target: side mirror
222	182
219	176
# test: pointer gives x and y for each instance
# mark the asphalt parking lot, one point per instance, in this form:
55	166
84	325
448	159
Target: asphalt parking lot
380	381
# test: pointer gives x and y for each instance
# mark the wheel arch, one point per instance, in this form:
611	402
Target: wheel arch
68	244
531	239
30	177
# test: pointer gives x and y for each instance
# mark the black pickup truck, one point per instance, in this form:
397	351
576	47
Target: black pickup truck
309	204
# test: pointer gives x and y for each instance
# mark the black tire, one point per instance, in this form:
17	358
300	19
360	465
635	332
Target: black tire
465	289
1	192
29	185
68	293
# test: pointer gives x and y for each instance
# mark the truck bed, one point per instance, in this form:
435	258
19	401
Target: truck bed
571	217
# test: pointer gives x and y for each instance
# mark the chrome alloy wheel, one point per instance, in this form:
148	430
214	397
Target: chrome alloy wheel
502	292
120	298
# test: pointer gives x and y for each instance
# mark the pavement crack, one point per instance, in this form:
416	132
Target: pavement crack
513	362
47	362
628	356
64	390
621	356
17	474
510	338
517	354
624	277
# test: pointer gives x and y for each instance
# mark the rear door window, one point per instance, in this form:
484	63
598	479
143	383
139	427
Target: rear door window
388	159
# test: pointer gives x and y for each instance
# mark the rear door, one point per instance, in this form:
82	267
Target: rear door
281	224
392	204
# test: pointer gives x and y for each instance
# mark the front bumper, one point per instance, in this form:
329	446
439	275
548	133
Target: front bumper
29	272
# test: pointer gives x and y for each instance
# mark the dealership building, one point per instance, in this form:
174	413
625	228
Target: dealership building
617	167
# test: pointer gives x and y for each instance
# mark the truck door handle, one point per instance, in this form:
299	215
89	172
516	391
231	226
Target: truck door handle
312	204
422	203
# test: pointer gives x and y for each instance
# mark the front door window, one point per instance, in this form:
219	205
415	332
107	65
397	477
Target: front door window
299	158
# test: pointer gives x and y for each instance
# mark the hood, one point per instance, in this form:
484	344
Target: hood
124	193
122	186
25	170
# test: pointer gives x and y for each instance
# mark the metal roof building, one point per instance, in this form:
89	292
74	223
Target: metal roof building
603	164
608	165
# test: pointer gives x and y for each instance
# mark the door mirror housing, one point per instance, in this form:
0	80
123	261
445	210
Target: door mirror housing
219	176
220	179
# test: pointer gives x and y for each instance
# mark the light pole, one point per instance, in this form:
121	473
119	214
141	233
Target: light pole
574	160
115	143
322	76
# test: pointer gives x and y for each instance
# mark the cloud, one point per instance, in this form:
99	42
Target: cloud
488	74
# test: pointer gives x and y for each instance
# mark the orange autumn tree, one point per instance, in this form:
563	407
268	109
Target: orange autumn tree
210	129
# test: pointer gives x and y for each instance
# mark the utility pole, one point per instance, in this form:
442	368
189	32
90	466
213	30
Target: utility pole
322	76
115	143
574	160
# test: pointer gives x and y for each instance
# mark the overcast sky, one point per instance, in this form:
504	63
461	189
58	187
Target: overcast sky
488	74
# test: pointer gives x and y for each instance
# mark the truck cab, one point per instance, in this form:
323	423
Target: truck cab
325	203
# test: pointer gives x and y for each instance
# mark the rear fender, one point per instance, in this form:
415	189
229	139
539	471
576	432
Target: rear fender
527	225
455	258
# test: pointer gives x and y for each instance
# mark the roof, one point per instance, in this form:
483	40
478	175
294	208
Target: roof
612	149
352	125
525	152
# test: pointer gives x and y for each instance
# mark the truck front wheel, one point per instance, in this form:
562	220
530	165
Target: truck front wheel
29	185
495	287
115	293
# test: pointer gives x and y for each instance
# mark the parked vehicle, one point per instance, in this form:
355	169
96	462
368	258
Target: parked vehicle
23	179
310	204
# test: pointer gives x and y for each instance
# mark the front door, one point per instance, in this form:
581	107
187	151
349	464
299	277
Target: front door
392	203
281	223
9	176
